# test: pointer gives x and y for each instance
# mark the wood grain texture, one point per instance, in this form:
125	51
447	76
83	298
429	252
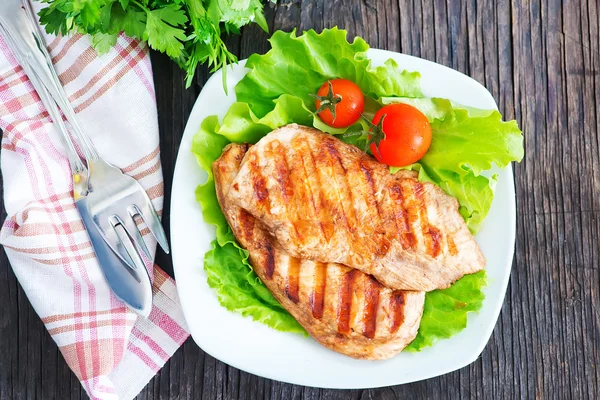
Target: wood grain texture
541	62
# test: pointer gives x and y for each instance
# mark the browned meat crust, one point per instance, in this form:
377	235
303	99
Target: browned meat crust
342	308
326	201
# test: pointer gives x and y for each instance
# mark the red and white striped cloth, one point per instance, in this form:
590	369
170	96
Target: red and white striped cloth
111	351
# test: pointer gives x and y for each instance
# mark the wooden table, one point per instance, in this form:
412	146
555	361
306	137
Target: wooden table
541	62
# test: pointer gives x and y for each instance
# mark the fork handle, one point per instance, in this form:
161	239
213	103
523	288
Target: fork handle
78	169
21	25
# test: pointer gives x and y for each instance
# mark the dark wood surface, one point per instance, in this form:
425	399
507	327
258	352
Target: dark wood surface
541	62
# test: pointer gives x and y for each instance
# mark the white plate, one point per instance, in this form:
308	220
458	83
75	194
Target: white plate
258	349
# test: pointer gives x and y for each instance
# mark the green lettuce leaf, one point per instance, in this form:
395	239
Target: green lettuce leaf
241	125
474	193
207	146
299	65
239	289
445	311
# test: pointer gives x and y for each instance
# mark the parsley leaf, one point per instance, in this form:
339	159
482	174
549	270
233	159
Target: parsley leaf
160	32
103	42
188	31
54	20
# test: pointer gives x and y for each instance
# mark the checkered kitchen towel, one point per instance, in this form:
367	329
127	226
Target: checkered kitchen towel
111	351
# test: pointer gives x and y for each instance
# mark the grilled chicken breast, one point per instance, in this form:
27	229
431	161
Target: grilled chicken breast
327	201
342	308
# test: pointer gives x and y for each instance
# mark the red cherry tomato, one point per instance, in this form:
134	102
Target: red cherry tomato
345	98
407	135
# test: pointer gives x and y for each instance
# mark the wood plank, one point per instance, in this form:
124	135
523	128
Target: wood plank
541	62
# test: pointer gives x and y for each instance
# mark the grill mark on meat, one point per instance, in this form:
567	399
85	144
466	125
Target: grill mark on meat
451	246
436	241
407	238
345	296
303	178
372	289
259	184
286	184
349	213
317	299
334	154
323	208
382	244
412	211
335	207
291	283
240	155
269	258
283	171
397	302
431	235
246	221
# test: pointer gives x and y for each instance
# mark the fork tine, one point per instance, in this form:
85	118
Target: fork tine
135	235
150	217
126	243
114	239
139	239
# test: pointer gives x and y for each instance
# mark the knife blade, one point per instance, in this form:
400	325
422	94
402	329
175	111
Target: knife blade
130	285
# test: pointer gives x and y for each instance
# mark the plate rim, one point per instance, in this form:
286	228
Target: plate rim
486	334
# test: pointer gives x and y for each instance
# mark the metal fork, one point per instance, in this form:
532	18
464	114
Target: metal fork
115	199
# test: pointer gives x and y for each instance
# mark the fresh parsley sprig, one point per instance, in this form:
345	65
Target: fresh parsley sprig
188	31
